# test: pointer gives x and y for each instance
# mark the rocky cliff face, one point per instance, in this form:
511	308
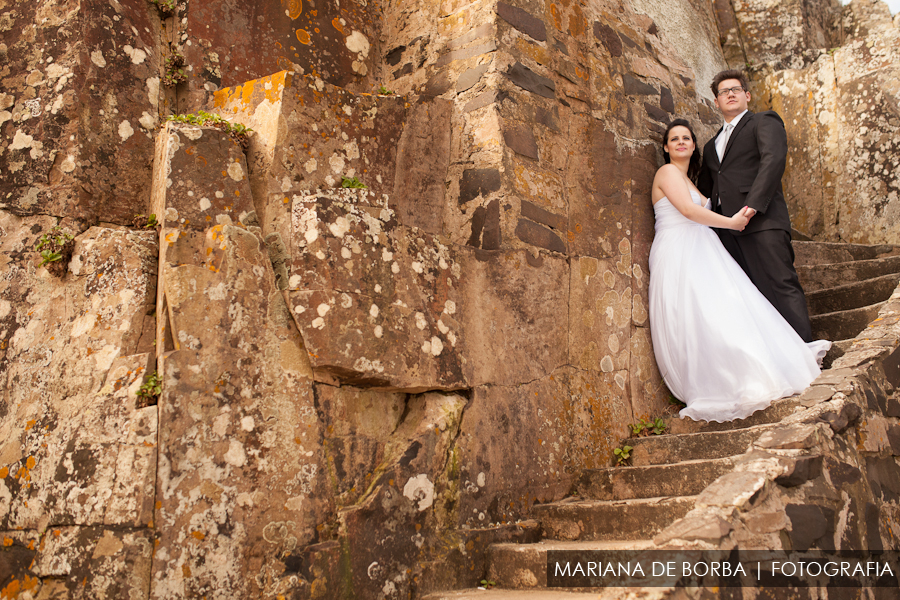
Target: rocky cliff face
361	388
839	95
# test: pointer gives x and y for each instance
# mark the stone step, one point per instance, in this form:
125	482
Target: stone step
837	350
774	413
686	478
821	277
844	324
639	519
819	253
671	449
523	566
852	295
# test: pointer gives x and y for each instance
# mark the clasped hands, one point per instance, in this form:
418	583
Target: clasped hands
742	217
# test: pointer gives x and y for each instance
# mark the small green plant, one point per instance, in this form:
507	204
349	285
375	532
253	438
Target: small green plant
145	222
56	249
175	72
623	455
148	394
354	183
166	7
238	131
832	51
488	584
384	91
645	427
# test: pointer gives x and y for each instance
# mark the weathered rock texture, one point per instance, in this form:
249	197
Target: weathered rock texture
79	103
834	81
362	387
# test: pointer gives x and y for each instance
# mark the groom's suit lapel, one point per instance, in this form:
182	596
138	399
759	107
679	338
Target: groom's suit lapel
737	130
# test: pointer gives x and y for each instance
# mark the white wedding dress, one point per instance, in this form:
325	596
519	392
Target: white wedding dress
721	347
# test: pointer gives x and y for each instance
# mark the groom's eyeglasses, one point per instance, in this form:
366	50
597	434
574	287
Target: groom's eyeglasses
736	90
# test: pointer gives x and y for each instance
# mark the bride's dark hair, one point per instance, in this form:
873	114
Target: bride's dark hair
694	164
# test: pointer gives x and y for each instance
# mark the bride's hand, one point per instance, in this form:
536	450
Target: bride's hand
740	219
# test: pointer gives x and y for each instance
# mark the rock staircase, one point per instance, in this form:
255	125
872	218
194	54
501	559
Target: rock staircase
621	508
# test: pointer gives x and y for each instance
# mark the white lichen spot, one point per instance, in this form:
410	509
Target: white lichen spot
420	321
247	423
481	480
377	288
449	307
318	323
395	268
346	253
136	55
97	58
417	267
217	292
311	165
373	310
426	346
452	337
236	456
378	331
125	130
21	141
147	121
358	43
606	365
337	163
443	328
348	110
297	309
386	255
204	204
294	283
437	346
323	309
346	301
420	490
340	226
236	171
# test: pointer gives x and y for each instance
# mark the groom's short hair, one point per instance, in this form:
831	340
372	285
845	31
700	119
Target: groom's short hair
728	74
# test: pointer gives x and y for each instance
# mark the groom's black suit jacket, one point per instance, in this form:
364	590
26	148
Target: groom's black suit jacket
750	172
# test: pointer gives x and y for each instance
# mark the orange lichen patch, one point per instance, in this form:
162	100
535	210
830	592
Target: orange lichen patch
199	535
303	37
16	588
557	17
577	23
294	8
185	570
4	472
30	424
533	51
8	541
336	23
30	462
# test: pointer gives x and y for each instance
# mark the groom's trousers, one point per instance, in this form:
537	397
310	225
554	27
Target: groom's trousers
768	260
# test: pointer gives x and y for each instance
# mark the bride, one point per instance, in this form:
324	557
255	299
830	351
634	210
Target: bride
721	347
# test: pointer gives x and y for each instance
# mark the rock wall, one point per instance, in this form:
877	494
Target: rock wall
836	88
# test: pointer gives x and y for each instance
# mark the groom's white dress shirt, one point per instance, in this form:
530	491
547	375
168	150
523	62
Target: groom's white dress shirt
722	139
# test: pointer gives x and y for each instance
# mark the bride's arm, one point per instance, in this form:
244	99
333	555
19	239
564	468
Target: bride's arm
670	181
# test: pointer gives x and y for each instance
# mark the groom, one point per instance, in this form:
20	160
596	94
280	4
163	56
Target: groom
742	166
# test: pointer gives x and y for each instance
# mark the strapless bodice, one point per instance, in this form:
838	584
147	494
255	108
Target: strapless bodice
668	216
